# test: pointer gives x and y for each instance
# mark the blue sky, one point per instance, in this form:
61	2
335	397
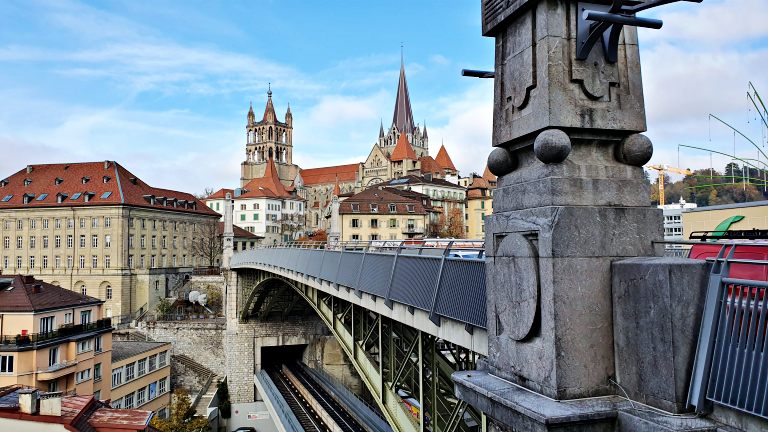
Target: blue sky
164	86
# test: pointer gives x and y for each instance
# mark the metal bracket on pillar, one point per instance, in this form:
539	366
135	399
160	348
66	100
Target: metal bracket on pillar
359	293
338	269
596	22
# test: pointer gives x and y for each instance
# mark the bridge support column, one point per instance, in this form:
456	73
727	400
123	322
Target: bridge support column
571	198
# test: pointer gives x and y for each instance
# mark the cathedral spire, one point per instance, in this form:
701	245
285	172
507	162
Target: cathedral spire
381	129
251	115
403	116
269	110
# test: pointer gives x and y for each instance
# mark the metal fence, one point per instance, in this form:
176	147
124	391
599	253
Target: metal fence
731	365
443	277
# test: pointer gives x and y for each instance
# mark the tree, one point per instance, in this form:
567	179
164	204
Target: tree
214	301
733	171
206	193
164	307
182	416
452	225
206	242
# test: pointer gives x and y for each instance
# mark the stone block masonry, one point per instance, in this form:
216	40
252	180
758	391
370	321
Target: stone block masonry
202	341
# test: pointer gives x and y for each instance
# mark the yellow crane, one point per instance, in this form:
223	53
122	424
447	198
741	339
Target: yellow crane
662	169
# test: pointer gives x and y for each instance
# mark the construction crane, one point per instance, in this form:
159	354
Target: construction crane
662	169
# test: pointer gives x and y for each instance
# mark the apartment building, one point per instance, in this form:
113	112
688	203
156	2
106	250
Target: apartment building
446	197
52	338
141	376
381	213
97	229
479	202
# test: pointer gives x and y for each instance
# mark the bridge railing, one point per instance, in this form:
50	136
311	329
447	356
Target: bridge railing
443	277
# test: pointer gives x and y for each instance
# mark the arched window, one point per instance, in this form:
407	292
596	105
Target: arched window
83	290
270	133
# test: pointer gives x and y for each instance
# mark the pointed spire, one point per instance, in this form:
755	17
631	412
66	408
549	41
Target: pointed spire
269	110
336	188
381	129
403	116
288	112
444	160
251	115
424	135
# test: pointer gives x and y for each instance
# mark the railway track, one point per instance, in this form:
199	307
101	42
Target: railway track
307	417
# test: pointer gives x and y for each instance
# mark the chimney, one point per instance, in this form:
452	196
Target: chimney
106	164
50	404
37	288
29	169
28	401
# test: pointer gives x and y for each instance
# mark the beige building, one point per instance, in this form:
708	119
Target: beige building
97	229
141	376
381	213
52	338
449	199
708	218
479	202
57	340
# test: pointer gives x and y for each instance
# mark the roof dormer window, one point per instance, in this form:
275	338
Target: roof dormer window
355	207
392	208
76	196
88	195
42	197
58	181
411	208
7	198
86	179
374	208
150	199
106	179
106	195
28	197
60	197
4	183
27	182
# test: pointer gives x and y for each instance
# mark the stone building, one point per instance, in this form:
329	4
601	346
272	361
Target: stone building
96	228
479	202
268	139
447	198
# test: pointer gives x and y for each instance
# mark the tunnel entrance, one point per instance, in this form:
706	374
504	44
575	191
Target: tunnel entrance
279	355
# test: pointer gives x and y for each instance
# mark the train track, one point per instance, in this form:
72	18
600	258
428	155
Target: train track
307	417
338	413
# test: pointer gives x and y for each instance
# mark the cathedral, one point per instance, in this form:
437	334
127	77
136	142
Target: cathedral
401	149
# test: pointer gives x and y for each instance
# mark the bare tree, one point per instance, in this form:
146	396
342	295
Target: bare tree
207	243
206	193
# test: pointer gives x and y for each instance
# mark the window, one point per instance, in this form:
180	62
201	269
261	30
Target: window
162	386
5	262
20	224
374	236
68	318
410	208
392	208
96	374
95	223
46	324
117	377
45	261
152	362
130	261
255	216
107	241
130	241
53	356
70	241
107	220
6	364
355	223
141	396
82	220
107	261
7	242
128	401
129	371
143	242
374	223
143	223
33	223
69	261
53	386
57	241
57	262
393	223
85	316
19	242
70	223
98	347
83	375
94	240
45	242
355	207
374	208
164	242
142	367
32	262
162	359
32	242
256	206
355	237
154	242
163	413
18	262
82	240
117	403
152	261
94	261
83	346
174	241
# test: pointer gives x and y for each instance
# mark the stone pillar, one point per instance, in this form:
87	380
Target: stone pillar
334	234
228	236
571	197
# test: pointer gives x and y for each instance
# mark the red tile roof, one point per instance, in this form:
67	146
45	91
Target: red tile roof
429	165
267	186
383	196
239	232
105	183
221	194
444	160
344	173
26	294
403	149
488	176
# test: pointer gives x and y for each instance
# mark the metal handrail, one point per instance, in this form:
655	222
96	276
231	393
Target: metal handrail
453	245
64	331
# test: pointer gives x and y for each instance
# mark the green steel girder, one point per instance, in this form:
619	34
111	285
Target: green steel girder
401	366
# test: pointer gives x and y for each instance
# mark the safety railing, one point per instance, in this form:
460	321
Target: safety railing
443	277
731	364
65	331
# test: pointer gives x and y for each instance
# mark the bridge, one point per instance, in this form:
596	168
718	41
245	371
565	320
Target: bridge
407	316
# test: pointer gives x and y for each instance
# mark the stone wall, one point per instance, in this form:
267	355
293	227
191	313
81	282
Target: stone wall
202	340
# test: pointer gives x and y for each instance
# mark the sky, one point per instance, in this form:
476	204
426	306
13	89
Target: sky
163	87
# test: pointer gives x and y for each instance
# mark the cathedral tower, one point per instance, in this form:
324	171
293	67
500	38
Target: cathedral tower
265	139
402	122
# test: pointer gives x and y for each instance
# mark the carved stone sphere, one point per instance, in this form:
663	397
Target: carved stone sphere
552	146
501	161
635	149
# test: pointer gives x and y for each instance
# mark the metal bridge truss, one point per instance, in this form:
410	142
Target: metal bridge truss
407	370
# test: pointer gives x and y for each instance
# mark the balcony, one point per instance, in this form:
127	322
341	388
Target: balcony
63	332
57	371
413	229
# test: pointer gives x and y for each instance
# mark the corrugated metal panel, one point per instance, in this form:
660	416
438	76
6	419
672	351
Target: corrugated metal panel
414	281
349	268
462	291
374	278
